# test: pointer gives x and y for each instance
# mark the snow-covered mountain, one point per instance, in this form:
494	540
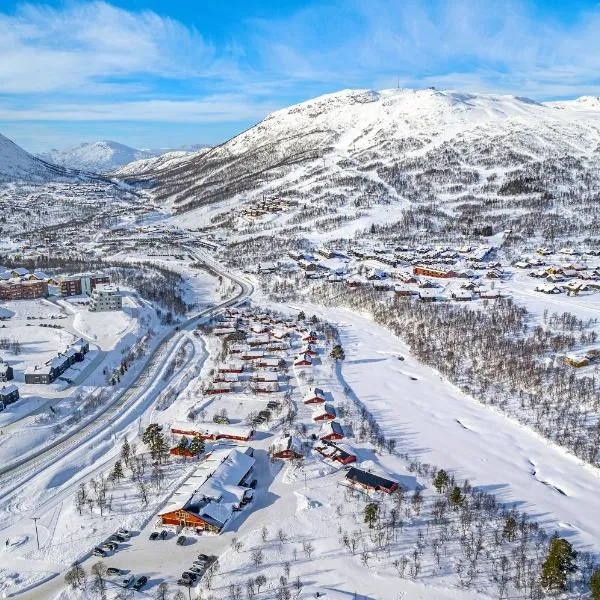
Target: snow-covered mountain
98	157
458	153
18	165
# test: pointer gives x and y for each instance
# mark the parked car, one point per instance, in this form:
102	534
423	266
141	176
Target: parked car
120	538
186	582
181	540
128	581
196	569
140	583
164	534
125	532
99	552
189	575
113	571
203	557
112	546
154	535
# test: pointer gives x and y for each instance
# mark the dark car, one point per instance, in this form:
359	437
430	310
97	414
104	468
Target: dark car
181	540
163	534
203	557
186	582
111	546
189	575
140	583
113	571
119	538
154	535
99	552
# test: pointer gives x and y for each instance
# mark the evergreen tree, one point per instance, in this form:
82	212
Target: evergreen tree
337	353
509	532
371	514
197	446
301	316
183	444
595	585
117	472
558	564
441	481
154	439
125	452
456	496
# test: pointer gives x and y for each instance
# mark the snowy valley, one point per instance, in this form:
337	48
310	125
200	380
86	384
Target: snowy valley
352	352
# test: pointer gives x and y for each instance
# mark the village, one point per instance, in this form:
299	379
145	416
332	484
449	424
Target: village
253	405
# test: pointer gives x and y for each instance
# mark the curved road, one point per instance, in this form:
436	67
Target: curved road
18	472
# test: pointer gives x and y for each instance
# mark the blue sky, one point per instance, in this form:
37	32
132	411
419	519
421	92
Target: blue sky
161	74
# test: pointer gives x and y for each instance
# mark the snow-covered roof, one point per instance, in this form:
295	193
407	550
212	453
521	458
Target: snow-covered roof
286	442
216	487
7	390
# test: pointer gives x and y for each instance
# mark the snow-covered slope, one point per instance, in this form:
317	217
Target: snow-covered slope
99	157
18	165
154	165
448	150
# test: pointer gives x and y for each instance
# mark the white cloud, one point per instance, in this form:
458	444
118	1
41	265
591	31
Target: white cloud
85	46
503	47
208	110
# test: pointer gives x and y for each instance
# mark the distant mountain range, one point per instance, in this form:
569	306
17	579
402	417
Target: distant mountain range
98	157
105	156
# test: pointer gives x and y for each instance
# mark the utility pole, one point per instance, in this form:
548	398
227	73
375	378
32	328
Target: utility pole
37	537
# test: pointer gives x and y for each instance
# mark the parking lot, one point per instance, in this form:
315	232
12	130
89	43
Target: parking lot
164	560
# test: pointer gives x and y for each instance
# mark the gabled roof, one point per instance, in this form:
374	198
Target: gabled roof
369	479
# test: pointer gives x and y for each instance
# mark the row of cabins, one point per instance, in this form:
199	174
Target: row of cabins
55	367
218	487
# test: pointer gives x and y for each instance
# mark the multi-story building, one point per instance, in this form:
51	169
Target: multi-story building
89	281
70	286
105	297
21	290
74	285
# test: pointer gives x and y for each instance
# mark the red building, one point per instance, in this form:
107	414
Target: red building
286	447
213	431
440	272
324	413
23	290
314	396
332	430
70	286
